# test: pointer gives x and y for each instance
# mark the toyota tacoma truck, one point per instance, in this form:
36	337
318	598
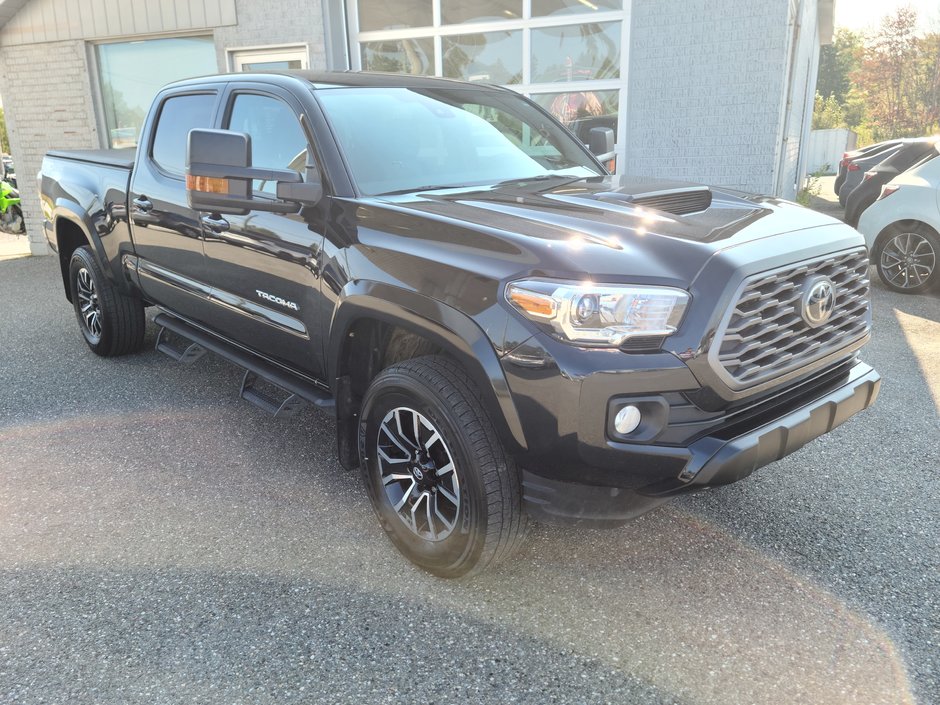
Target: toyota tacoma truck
502	328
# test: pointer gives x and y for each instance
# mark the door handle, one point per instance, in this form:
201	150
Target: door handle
143	204
216	225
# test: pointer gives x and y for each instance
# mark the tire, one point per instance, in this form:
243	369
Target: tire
479	495
908	258
111	322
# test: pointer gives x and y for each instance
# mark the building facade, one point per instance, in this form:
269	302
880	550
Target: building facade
712	91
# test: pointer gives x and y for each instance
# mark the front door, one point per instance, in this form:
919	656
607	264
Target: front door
264	267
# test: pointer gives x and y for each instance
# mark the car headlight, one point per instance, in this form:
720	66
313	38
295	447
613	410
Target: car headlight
599	314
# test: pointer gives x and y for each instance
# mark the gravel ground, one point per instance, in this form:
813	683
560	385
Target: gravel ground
162	541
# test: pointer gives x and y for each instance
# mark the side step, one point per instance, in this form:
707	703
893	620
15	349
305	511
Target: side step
298	388
186	356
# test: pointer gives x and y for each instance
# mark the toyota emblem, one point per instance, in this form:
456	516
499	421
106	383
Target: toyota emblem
819	301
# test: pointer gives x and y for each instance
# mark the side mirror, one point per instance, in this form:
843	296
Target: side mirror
219	177
601	141
601	145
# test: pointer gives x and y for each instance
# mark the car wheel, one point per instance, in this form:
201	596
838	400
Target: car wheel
445	491
907	258
112	323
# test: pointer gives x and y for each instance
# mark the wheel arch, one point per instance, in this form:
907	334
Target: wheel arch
375	325
71	232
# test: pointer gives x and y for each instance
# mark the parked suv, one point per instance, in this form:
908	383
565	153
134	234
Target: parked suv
501	328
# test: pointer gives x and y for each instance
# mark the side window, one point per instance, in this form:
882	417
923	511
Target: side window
178	116
277	140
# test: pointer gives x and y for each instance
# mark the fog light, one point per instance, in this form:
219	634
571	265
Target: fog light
627	420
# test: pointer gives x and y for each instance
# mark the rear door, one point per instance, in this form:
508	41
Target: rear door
167	233
264	268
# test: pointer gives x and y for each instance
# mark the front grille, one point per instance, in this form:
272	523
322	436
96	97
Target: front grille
678	203
765	336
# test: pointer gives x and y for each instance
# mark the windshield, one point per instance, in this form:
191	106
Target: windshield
403	139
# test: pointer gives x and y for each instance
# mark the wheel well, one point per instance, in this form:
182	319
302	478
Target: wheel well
69	237
370	347
907	223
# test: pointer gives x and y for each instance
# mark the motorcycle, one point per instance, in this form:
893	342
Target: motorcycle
11	212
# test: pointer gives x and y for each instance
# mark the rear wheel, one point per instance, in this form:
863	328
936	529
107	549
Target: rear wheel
439	479
907	258
111	322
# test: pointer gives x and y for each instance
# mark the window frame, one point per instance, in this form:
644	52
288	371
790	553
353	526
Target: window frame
526	23
94	77
235	89
268	52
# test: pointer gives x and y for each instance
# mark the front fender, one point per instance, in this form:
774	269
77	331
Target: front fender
447	327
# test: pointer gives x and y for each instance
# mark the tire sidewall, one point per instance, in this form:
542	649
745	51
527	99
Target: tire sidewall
933	281
458	552
83	259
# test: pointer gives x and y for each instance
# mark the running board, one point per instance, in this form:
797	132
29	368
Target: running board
185	356
298	389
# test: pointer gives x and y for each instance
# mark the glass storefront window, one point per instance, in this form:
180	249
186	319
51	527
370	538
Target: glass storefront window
414	56
396	14
579	111
546	8
458	11
576	52
492	57
131	73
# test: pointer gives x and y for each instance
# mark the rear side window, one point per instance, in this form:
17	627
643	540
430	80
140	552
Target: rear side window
178	116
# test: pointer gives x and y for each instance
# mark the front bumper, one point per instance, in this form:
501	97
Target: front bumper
732	453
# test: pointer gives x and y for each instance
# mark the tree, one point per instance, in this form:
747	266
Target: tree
827	113
4	137
837	62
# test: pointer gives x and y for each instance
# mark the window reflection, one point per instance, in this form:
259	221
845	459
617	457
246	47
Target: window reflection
277	140
413	56
398	14
544	8
579	111
491	57
576	52
457	11
131	74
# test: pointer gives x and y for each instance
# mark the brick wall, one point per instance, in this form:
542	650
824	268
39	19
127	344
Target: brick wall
266	22
706	88
47	101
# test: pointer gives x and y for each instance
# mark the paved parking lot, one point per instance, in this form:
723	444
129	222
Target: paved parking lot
163	542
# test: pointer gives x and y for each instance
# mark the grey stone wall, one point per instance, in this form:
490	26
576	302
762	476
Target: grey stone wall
706	87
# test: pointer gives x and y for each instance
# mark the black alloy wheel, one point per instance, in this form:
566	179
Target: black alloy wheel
446	492
111	322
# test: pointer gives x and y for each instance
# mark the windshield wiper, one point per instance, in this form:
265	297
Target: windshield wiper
417	189
566	179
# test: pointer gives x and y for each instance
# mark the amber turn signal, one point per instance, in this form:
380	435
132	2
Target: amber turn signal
206	184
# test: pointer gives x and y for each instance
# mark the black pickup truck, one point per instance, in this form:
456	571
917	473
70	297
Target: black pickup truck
501	328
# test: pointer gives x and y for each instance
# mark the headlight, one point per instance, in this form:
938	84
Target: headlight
597	314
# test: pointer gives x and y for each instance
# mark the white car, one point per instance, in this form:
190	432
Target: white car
902	229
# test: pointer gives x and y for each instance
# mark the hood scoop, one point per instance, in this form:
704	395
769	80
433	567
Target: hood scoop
678	201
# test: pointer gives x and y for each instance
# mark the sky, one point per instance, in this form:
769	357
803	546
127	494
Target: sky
862	15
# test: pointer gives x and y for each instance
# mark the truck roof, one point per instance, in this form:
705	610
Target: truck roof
336	79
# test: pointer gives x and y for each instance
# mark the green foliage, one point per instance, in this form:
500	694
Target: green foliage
827	113
4	137
812	187
884	85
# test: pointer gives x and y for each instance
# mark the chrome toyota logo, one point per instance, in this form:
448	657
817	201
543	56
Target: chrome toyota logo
819	301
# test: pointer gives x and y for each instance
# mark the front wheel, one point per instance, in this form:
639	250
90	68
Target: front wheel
443	487
907	258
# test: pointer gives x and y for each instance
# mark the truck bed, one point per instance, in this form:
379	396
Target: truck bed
119	158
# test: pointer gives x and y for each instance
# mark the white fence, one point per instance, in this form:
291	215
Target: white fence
825	147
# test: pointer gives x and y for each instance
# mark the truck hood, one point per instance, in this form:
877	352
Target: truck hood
607	228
